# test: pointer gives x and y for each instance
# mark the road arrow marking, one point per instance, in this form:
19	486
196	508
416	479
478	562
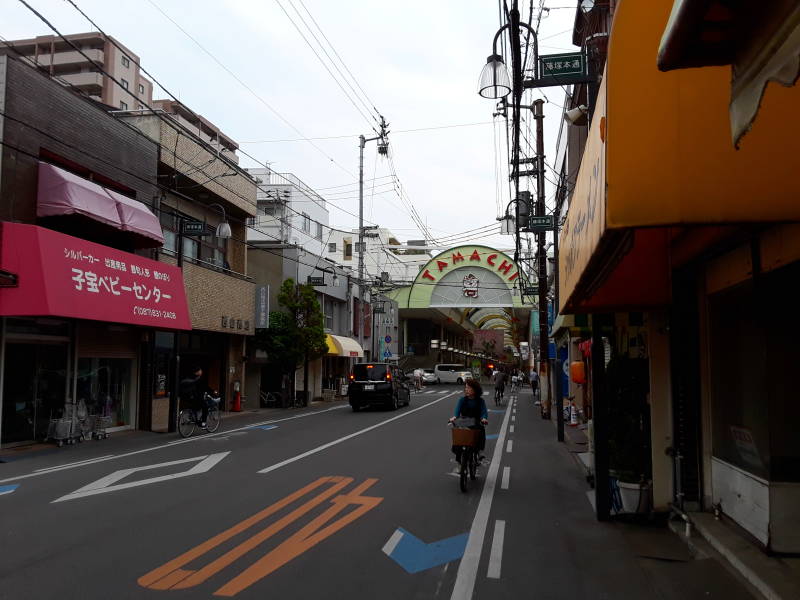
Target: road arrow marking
414	555
7	489
109	482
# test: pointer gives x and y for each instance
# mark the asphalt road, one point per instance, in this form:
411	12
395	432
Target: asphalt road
316	503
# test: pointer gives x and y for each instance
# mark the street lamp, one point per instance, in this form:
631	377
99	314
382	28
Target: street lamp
494	81
223	231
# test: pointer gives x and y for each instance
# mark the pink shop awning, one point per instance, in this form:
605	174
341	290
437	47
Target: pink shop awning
64	193
60	275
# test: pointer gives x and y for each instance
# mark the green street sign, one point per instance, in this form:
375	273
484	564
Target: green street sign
194	228
560	69
538	224
531	290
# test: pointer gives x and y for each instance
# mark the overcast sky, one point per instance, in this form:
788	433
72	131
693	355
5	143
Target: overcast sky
417	61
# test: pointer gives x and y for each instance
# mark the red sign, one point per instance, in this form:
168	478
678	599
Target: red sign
61	275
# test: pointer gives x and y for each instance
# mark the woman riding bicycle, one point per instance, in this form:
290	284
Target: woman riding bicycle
472	406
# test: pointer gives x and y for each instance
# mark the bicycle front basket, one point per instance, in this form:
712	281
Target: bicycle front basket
465	437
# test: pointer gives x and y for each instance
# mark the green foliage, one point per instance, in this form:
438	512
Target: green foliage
296	333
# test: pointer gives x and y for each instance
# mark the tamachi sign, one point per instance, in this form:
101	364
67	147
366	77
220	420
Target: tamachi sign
65	276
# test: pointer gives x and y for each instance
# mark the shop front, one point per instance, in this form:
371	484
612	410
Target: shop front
74	317
669	219
342	353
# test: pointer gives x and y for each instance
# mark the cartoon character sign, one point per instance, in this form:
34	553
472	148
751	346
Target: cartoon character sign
471	286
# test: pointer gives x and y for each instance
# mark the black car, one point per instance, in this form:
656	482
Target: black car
378	384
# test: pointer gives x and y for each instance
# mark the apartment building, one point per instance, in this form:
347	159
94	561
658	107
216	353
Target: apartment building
82	69
289	212
385	257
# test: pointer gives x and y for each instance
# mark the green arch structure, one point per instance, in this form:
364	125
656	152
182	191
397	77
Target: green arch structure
444	271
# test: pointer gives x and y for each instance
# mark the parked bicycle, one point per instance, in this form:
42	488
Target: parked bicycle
188	418
466	439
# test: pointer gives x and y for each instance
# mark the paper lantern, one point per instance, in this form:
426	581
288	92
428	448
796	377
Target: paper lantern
577	371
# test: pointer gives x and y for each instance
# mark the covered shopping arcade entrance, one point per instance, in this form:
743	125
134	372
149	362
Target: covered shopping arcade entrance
466	306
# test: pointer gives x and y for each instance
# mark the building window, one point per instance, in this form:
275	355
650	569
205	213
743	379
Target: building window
141	89
124	83
123	105
319	231
348	250
126	62
332	247
306	223
140	107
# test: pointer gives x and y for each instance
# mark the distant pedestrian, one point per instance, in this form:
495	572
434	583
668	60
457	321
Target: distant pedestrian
534	377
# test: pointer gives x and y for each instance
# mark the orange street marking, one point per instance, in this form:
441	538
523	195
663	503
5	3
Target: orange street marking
173	576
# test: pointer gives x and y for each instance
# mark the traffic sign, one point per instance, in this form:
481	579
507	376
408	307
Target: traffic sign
387	339
387	354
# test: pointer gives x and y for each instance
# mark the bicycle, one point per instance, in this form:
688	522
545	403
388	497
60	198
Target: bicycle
271	399
188	419
499	390
465	438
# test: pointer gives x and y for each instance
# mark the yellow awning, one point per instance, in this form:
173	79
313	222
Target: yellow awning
332	349
344	346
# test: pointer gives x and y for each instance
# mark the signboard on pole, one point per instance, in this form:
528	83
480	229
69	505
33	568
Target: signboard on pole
194	228
262	307
569	67
538	224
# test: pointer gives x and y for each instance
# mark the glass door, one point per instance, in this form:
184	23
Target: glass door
34	389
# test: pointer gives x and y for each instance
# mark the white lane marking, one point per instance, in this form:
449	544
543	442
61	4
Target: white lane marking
509	445
391	544
496	554
288	461
77	463
514	418
511	429
107	483
506	478
170	444
468	567
430	392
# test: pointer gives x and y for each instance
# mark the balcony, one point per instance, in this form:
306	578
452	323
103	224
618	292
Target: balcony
88	82
67	59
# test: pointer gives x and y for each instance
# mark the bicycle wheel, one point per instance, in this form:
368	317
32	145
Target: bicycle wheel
462	474
185	423
212	420
473	464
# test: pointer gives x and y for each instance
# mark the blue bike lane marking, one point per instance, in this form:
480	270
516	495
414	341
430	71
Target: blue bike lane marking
265	427
414	555
7	489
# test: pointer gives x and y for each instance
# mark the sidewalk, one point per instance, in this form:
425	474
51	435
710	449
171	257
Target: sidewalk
623	553
765	576
140	438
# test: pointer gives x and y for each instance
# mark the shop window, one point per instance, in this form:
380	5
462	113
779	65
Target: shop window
104	385
753	382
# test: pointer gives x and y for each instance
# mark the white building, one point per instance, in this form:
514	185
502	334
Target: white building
289	212
382	258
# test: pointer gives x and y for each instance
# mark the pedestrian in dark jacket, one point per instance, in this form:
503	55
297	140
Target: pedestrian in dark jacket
472	406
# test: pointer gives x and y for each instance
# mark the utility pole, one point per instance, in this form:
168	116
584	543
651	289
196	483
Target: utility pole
541	237
382	149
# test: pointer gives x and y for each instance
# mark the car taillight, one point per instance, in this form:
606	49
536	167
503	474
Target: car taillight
388	376
352	377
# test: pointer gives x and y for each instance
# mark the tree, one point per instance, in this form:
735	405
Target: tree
295	334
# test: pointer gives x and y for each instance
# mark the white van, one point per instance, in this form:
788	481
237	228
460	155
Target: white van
451	373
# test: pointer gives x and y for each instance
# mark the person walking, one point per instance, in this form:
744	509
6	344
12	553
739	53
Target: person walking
534	377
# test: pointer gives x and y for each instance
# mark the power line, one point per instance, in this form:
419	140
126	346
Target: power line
340	137
302	35
248	88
